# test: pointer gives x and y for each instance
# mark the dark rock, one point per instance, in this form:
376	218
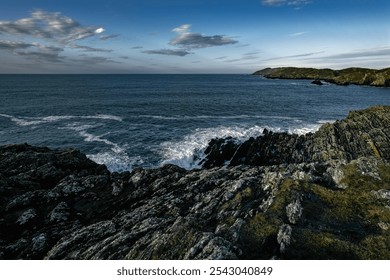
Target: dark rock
317	82
318	196
362	134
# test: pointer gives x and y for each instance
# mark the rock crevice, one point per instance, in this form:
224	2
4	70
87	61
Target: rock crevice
316	196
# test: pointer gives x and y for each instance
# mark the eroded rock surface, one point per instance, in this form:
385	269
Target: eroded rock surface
319	196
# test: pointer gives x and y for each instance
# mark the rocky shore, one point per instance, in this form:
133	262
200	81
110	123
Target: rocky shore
356	76
324	195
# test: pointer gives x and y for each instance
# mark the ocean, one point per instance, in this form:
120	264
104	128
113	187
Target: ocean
128	121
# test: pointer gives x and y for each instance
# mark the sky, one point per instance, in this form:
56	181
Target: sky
191	36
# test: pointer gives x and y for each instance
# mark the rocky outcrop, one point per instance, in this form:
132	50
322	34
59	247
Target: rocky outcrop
317	82
363	133
319	196
357	76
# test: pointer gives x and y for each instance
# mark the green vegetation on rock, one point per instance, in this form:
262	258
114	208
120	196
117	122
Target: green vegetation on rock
357	76
324	195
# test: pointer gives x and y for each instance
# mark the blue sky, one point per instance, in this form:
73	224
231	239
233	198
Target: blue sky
191	36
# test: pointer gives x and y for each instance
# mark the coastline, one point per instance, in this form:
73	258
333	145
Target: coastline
322	195
348	76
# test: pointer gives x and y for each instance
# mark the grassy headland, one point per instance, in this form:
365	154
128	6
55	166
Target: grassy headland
356	76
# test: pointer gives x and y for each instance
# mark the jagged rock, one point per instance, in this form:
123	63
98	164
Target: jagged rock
27	217
60	213
319	196
363	133
284	236
294	211
317	82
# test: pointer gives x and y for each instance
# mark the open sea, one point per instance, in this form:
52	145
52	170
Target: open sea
126	121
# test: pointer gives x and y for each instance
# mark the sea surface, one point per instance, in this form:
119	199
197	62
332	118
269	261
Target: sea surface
126	121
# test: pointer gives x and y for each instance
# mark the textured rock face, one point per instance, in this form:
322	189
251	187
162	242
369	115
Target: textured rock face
319	196
362	134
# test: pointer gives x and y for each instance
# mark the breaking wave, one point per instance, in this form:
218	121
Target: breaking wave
189	151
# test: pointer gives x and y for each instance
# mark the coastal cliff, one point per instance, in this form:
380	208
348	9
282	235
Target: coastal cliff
323	195
356	76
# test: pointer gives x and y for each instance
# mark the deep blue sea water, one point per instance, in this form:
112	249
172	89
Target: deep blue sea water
126	121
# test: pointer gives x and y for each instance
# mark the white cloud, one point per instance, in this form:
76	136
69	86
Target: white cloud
91	60
363	53
108	37
53	26
48	29
33	51
297	34
182	29
13	45
99	30
168	52
189	40
89	49
285	2
294	56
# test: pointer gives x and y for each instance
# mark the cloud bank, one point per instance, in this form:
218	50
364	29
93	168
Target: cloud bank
187	39
46	35
53	26
168	52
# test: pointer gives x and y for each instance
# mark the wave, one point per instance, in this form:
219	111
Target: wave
116	159
189	151
30	121
116	162
325	121
199	117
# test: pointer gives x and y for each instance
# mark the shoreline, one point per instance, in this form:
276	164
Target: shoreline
348	76
322	195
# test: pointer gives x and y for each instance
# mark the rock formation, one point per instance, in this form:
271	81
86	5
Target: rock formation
357	76
318	196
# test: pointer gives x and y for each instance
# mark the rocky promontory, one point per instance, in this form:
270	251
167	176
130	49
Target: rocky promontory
324	195
354	75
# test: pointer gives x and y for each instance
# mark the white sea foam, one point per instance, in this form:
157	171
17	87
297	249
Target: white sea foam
199	117
304	129
116	159
116	162
325	121
189	151
30	121
89	137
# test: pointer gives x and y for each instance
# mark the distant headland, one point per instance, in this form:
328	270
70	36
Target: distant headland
356	76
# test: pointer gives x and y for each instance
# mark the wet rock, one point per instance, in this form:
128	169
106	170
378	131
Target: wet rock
363	133
317	196
60	213
27	217
317	82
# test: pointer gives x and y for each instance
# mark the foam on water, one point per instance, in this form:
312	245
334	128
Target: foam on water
116	159
113	156
189	151
304	129
30	121
207	117
116	162
325	121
